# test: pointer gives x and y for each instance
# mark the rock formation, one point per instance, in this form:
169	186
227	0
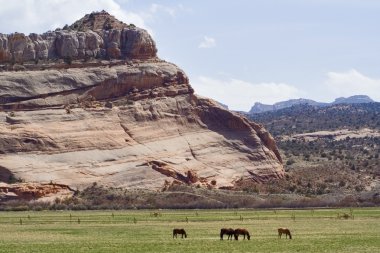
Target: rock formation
93	103
97	35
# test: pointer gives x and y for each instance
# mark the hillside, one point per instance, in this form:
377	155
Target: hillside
329	150
306	118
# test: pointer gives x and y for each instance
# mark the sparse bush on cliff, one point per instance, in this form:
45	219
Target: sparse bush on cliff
68	60
290	162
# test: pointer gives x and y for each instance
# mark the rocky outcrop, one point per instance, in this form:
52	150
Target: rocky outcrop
133	122
31	191
118	41
57	87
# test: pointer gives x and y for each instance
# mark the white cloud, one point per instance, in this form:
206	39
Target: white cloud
352	82
241	95
154	8
41	15
208	42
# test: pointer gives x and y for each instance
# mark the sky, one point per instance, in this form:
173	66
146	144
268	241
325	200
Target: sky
242	51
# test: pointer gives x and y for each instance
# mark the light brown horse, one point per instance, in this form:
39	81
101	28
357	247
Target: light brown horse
180	231
227	231
284	231
241	231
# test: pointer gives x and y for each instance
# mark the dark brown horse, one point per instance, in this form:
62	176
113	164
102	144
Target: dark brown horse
180	231
241	231
284	231
227	231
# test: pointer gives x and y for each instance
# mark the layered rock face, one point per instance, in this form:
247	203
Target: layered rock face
107	39
132	122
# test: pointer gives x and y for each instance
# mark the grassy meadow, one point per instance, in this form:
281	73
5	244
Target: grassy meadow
313	230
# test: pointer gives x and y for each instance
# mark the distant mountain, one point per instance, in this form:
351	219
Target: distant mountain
358	99
260	108
307	118
328	150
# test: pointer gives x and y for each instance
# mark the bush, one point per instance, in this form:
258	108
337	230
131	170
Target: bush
359	188
58	207
68	60
20	208
290	162
78	207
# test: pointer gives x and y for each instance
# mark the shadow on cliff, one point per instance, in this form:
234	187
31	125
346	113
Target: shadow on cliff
238	128
7	176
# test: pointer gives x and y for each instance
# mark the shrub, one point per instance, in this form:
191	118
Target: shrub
359	188
68	60
290	162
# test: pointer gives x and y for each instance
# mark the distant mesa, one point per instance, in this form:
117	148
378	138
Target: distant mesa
357	99
260	108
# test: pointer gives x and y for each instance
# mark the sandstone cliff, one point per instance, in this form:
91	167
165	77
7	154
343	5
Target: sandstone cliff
117	115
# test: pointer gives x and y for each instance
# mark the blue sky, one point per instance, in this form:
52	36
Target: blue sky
243	51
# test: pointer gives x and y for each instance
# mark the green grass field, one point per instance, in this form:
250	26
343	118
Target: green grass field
316	230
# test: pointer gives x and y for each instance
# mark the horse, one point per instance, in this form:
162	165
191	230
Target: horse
241	231
284	231
227	231
180	231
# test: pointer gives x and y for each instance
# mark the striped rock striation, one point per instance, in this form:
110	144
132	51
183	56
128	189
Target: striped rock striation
94	103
